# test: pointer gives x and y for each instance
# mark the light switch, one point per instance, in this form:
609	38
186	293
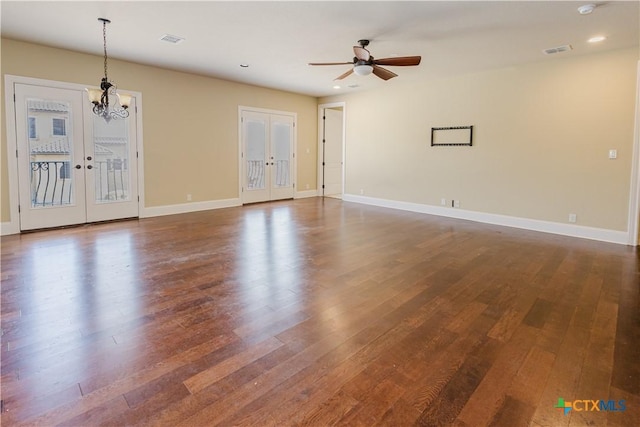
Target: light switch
613	154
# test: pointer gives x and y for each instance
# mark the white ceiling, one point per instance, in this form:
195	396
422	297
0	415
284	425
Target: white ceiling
278	39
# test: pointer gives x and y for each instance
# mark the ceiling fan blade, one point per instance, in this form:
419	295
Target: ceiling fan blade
384	74
399	61
330	63
361	53
342	76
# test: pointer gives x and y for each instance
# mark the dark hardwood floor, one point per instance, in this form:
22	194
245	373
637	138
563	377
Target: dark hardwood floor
317	312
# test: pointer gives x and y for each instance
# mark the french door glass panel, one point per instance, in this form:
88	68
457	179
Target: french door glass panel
256	154
50	153
111	161
281	142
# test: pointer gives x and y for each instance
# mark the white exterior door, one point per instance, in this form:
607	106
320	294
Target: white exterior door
72	168
332	159
267	153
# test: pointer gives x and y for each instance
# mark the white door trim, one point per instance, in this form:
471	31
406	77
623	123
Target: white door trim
634	193
13	225
242	109
320	143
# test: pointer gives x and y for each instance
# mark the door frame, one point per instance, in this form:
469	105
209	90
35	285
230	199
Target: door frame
294	172
320	178
13	225
633	219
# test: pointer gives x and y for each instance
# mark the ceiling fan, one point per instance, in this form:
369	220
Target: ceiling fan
364	64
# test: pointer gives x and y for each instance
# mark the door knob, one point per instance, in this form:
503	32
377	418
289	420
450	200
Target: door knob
78	167
89	158
89	167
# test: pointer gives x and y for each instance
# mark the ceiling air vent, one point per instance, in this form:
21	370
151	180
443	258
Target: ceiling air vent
171	39
559	49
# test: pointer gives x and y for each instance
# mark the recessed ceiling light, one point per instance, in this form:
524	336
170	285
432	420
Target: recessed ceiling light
336	87
172	39
244	65
597	39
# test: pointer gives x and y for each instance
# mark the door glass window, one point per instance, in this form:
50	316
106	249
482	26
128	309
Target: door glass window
49	157
256	155
111	160
281	140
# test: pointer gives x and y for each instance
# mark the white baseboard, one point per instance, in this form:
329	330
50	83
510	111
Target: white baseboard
7	228
601	234
188	207
306	193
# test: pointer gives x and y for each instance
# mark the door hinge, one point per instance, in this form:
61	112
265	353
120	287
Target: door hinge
324	118
138	198
18	208
16	153
322	163
322	185
14	98
137	155
324	140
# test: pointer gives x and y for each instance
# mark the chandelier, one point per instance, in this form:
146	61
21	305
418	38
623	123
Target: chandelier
107	103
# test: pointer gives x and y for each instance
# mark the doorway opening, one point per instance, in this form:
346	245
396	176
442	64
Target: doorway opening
331	149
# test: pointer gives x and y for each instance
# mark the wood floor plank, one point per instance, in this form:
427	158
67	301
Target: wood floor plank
315	312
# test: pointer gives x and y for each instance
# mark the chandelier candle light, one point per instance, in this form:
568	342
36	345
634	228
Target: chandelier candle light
116	107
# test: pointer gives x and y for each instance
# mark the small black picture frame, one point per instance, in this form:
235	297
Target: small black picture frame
452	136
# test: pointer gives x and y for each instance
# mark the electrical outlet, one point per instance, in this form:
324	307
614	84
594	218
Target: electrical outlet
188	197
456	203
613	154
573	217
443	202
361	191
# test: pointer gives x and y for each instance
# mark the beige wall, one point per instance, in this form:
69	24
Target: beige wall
542	133
190	122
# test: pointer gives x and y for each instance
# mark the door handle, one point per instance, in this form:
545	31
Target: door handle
89	158
78	167
89	167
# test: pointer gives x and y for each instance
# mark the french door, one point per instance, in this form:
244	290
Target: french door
73	167
267	156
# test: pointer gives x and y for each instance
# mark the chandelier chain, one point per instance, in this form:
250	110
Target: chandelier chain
104	38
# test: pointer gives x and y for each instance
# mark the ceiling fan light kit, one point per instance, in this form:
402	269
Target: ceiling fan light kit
363	69
365	64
